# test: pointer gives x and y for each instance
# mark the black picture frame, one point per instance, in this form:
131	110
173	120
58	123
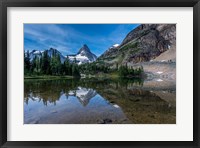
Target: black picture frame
4	4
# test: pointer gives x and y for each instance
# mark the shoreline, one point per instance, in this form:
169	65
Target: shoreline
47	77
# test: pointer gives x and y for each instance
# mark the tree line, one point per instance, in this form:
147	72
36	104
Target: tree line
46	65
125	71
122	71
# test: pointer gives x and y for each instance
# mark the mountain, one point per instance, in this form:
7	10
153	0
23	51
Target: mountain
84	55
147	42
53	51
110	52
34	53
50	52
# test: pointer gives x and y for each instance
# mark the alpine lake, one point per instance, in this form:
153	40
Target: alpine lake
99	101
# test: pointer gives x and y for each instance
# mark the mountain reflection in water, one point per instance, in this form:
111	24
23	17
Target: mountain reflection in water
94	101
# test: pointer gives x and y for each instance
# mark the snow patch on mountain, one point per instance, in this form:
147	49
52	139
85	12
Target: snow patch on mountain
114	46
33	54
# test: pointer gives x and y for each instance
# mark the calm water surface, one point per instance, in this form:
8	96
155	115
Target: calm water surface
99	101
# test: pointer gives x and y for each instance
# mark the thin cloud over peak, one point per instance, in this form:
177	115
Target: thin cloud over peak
68	38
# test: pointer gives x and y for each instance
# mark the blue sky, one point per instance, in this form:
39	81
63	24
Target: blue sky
69	38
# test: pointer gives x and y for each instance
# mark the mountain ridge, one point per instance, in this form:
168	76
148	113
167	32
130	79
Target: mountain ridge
84	55
142	44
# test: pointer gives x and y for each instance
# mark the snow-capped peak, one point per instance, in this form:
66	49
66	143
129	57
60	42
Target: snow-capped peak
37	52
84	55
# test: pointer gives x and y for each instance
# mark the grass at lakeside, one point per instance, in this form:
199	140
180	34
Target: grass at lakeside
107	75
112	75
46	77
50	77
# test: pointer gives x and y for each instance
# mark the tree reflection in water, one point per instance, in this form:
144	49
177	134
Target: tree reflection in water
100	101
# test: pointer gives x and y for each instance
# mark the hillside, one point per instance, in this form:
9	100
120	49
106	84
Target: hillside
151	46
143	44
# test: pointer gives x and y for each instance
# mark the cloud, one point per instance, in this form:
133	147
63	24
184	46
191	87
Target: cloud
68	39
46	36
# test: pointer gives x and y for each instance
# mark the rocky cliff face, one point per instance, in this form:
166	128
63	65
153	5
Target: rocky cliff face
142	44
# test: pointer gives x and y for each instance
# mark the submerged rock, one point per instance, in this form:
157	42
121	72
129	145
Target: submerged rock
104	121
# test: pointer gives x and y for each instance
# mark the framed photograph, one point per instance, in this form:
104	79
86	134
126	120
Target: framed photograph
99	73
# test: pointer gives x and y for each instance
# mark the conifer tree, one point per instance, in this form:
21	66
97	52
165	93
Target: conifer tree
27	64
